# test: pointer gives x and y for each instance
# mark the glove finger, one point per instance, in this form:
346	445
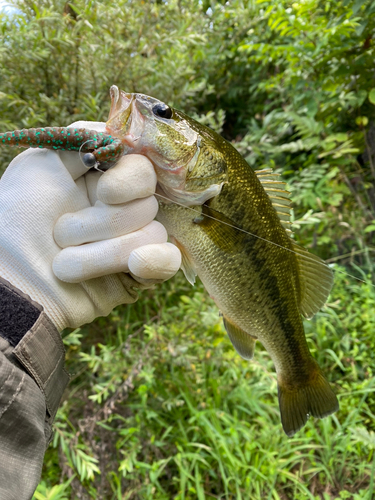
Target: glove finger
104	222
92	178
108	292
98	126
37	182
158	261
76	264
73	163
81	185
131	178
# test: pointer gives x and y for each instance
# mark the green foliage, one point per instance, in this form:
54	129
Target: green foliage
159	405
319	57
57	492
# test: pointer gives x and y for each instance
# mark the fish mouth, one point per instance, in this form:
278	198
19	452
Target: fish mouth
125	121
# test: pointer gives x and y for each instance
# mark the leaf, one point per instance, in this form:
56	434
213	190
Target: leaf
361	121
363	436
371	96
57	492
357	5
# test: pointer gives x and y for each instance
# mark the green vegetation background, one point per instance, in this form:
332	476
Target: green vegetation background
160	406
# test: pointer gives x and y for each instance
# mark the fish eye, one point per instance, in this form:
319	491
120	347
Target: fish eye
162	110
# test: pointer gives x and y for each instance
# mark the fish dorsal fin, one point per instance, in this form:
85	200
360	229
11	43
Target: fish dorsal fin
315	280
186	264
279	196
242	341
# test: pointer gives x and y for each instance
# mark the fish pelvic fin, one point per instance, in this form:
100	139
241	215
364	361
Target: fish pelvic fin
242	341
297	403
186	264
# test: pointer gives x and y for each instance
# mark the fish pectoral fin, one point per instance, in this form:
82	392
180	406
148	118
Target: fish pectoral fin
297	403
186	264
315	280
242	341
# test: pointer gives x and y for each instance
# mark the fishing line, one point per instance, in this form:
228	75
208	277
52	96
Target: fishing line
264	239
81	146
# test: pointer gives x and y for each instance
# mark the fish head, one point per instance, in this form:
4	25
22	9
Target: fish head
189	168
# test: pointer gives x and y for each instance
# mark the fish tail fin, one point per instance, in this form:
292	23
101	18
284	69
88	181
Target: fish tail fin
298	402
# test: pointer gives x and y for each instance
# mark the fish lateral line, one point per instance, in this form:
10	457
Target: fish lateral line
322	263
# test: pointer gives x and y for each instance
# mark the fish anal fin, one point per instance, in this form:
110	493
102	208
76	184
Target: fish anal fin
186	264
242	341
315	280
315	398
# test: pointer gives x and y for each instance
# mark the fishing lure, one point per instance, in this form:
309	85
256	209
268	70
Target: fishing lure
100	148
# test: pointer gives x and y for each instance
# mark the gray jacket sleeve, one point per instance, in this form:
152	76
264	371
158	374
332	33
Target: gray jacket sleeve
32	381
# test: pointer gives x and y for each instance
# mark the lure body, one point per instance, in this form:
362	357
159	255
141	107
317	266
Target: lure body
100	147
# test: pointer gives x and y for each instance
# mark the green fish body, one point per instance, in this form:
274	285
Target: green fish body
230	224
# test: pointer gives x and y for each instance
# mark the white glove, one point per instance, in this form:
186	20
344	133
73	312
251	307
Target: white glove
67	236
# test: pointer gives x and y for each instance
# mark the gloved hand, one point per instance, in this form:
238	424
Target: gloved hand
67	236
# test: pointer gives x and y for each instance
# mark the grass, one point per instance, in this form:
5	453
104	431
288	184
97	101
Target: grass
161	407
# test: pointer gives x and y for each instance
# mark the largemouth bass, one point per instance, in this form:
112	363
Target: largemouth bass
236	239
238	242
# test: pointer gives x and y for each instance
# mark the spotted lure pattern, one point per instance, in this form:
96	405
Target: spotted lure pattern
99	147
